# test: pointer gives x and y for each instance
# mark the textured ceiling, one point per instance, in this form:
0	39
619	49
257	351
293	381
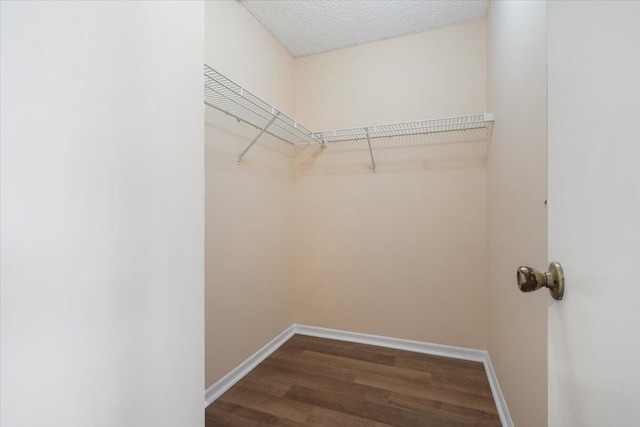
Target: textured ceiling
310	27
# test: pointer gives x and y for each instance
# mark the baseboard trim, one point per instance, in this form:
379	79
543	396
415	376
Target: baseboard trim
498	397
397	343
226	382
463	353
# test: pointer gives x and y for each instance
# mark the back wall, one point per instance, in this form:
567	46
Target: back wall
403	252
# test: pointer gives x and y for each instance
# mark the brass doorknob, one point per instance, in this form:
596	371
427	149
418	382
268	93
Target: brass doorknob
530	279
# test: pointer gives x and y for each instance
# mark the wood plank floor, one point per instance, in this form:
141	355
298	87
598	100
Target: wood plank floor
325	383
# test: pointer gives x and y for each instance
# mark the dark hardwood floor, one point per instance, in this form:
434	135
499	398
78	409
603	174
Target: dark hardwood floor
318	382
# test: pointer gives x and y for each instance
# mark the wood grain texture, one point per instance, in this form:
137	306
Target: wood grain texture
319	382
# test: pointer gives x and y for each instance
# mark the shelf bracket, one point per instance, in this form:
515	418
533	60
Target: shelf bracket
373	162
275	116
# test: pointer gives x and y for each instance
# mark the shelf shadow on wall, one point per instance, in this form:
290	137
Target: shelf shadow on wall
460	149
239	130
450	150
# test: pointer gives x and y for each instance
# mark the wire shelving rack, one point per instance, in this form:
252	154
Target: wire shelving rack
229	97
446	124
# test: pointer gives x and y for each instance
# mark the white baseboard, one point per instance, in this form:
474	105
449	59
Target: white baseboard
226	382
463	353
399	344
498	397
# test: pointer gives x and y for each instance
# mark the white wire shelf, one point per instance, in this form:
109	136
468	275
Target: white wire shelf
225	95
447	124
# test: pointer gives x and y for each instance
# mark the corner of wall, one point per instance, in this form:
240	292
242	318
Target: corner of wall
517	226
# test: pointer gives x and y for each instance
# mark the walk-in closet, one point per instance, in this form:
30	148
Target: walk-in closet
346	199
320	213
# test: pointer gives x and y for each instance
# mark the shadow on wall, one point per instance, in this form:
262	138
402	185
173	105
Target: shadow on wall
234	128
451	150
227	137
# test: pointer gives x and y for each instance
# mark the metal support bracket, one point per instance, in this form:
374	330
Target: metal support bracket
373	162
275	116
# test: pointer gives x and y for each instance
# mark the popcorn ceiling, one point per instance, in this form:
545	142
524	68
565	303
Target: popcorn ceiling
310	27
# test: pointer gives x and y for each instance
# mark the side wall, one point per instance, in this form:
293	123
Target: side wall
248	207
403	252
102	207
517	190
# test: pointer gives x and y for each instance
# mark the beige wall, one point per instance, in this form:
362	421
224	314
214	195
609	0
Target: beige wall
248	207
102	214
401	253
239	47
433	74
517	190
